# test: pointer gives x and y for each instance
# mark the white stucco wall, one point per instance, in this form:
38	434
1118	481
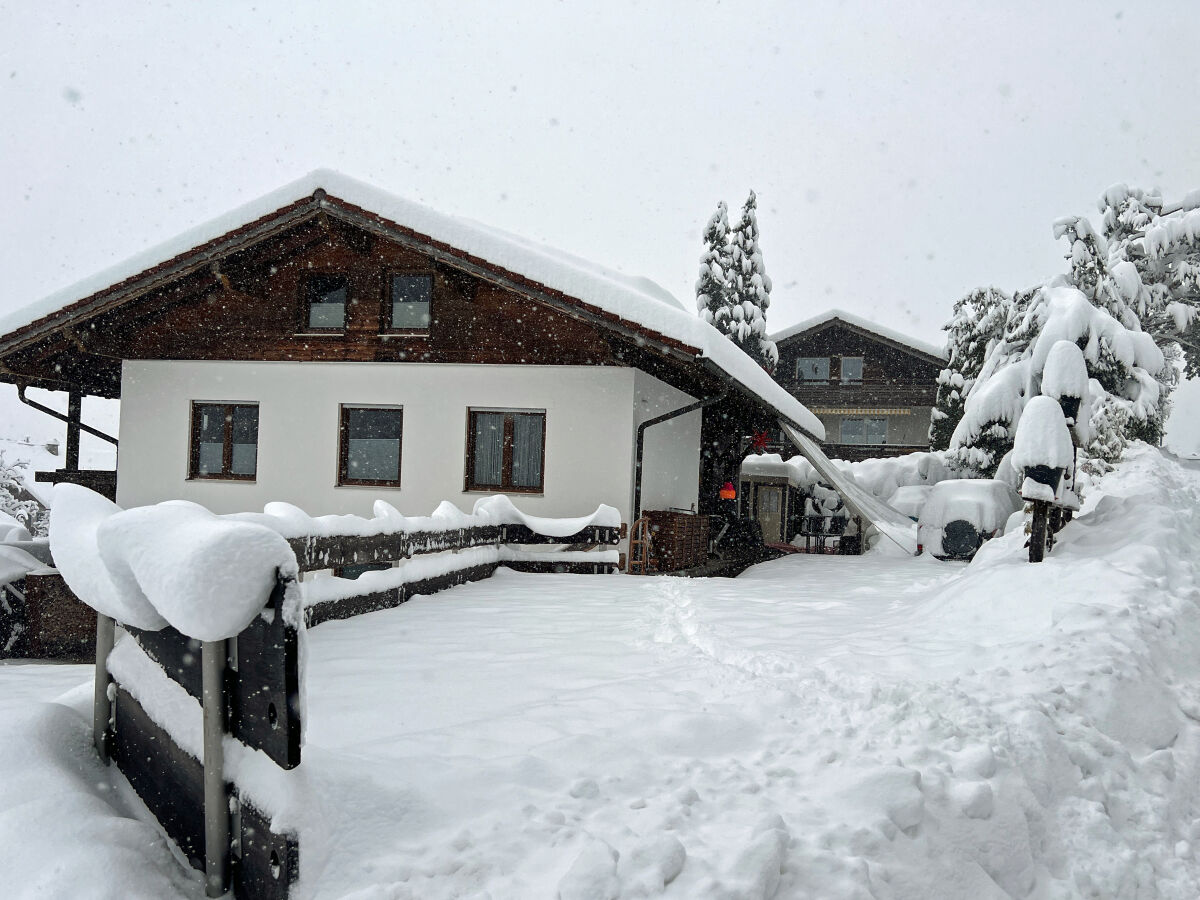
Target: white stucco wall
671	462
589	440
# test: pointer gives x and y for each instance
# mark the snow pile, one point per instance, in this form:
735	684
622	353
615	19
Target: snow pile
1043	438
15	564
880	477
11	530
292	522
1065	373
841	727
983	502
633	299
911	499
172	563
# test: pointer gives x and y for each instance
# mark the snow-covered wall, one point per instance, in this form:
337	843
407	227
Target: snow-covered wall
671	463
589	438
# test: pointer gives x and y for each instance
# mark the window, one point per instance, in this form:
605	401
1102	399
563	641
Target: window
852	369
410	297
326	297
864	431
813	368
224	441
506	450
369	440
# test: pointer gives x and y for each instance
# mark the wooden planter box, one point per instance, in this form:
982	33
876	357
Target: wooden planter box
678	540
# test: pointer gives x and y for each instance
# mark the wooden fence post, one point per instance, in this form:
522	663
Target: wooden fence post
216	802
101	704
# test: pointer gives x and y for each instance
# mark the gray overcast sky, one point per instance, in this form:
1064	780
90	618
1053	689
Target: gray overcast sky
902	153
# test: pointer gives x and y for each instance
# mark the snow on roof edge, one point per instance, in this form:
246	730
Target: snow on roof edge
866	325
635	299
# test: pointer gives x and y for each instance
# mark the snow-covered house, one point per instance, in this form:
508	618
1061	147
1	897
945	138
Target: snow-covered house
871	387
329	344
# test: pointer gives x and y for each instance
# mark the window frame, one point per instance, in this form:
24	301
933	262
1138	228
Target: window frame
803	380
344	479
864	420
388	304
862	367
506	486
306	304
194	473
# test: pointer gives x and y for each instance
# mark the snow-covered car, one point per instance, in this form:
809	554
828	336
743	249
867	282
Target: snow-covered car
959	516
910	500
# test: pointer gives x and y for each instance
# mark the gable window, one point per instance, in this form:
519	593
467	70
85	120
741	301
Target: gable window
864	431
812	368
410	298
852	369
369	442
506	450
224	441
326	297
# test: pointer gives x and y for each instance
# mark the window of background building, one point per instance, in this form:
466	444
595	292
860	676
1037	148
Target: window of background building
411	297
326	297
852	369
813	368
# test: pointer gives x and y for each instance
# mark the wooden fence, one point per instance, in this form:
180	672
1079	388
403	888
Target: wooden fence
339	551
248	688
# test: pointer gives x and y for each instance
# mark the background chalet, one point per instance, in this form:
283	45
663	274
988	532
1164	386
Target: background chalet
329	344
872	388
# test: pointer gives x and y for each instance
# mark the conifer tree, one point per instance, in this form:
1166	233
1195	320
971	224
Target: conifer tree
712	287
976	325
750	290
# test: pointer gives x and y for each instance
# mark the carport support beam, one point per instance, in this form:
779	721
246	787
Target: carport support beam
641	444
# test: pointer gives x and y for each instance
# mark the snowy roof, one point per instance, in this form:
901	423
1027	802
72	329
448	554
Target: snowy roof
860	323
632	299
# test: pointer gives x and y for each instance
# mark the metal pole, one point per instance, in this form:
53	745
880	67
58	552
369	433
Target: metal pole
74	413
216	803
101	705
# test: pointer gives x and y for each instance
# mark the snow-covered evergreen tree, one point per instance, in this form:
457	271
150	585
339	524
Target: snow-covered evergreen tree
1154	258
712	287
976	325
750	290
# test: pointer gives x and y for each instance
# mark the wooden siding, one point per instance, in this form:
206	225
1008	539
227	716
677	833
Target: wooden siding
251	306
891	377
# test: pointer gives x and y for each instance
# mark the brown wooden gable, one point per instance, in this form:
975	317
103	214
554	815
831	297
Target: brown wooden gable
249	304
893	373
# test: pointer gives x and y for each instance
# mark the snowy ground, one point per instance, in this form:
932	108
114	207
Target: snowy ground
820	727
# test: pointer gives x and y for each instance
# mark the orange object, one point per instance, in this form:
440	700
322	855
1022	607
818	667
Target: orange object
728	492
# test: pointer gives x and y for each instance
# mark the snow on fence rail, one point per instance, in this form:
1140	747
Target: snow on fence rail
207	676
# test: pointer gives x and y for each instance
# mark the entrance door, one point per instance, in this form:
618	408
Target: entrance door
770	512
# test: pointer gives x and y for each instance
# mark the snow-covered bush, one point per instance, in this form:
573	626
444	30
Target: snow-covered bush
29	513
734	290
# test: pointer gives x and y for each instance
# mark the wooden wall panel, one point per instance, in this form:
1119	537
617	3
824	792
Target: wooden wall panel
251	306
